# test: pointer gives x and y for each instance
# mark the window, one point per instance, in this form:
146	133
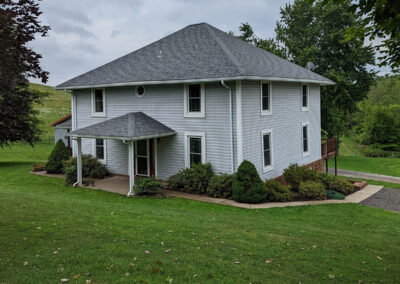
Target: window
266	98
142	158
98	102
195	150
194	100
304	97
140	91
266	137
305	136
100	149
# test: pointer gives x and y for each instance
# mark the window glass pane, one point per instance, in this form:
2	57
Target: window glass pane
267	158
266	142
195	145
141	148
100	149
265	96
194	98
98	98
195	159
305	139
141	166
304	95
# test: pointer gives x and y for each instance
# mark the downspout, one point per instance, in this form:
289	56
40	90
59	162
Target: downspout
230	121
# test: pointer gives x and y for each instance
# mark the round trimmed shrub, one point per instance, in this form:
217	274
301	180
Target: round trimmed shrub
313	190
144	186
248	186
293	175
176	181
221	186
342	186
55	161
91	167
326	179
277	191
331	194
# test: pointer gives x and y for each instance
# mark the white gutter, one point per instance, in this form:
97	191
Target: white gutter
258	78
121	138
230	121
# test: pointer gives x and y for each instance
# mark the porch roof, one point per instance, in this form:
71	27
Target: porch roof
131	126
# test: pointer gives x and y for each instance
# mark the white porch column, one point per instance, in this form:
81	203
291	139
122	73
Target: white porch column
79	161
155	157
131	158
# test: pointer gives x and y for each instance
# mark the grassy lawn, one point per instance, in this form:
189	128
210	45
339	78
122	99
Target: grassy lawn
350	147
383	166
375	182
55	106
51	231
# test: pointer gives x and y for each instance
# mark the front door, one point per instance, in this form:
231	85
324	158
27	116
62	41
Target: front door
142	154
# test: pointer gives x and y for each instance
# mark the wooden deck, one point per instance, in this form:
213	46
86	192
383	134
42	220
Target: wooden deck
329	148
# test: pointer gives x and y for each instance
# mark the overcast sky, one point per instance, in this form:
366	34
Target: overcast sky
88	33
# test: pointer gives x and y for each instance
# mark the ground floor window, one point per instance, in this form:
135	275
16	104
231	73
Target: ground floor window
266	137
305	139
99	149
194	148
142	158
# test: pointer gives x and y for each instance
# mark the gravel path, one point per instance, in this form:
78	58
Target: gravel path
348	173
386	198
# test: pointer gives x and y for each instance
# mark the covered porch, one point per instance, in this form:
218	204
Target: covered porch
139	132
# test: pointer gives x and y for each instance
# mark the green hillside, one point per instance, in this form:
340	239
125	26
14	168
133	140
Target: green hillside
55	105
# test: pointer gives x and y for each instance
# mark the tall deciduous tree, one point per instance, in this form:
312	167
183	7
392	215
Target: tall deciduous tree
19	25
316	33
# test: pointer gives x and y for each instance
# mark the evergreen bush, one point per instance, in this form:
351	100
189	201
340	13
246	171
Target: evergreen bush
55	161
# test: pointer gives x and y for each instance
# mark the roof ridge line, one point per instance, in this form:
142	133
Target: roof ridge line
226	51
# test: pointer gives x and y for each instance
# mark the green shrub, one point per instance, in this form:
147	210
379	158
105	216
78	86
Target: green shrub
55	161
332	194
176	181
196	179
341	186
147	185
326	179
221	186
314	190
374	152
91	167
248	186
277	191
295	174
38	167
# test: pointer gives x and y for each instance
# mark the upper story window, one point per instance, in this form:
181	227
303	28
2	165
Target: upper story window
266	98
266	137
195	148
100	149
98	102
304	97
305	136
194	100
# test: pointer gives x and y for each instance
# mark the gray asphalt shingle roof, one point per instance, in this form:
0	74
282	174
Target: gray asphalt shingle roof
195	52
131	126
65	124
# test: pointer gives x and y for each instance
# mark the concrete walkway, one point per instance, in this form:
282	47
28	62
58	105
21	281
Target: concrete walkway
363	175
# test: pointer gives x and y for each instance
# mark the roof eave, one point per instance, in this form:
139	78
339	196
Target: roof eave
74	135
122	84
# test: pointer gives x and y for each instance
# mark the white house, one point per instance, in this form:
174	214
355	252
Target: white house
198	95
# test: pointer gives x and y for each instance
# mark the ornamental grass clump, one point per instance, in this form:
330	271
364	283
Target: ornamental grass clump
248	186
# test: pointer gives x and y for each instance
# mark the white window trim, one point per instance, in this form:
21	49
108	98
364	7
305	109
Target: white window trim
266	112
187	113
308	97
270	167
103	161
148	159
305	154
201	135
98	114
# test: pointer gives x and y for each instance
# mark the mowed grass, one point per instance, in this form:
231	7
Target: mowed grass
383	166
54	106
51	231
350	147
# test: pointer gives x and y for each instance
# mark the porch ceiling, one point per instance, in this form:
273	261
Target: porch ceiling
131	126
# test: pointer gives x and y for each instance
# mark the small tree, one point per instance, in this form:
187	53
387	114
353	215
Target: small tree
248	186
59	154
